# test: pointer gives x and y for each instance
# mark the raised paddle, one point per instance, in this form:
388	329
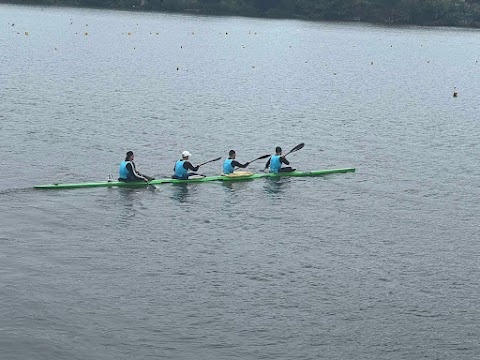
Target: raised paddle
296	148
209	161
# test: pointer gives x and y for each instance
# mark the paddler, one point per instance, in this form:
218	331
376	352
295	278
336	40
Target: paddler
128	171
230	163
182	166
275	162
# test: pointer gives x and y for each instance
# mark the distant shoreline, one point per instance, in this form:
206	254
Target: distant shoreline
462	14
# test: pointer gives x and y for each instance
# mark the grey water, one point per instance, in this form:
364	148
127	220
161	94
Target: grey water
382	263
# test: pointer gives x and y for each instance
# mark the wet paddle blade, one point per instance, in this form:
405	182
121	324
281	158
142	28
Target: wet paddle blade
296	148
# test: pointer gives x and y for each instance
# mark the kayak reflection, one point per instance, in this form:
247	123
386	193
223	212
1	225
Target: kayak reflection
276	185
180	192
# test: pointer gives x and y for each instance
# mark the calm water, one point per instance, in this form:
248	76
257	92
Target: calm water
379	264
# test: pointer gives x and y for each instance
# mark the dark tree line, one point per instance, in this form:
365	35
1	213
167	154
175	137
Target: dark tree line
420	12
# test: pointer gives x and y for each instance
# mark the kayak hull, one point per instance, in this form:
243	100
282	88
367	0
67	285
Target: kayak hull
196	180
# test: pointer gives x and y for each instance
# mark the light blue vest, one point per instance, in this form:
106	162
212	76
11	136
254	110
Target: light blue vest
275	164
180	171
227	166
123	173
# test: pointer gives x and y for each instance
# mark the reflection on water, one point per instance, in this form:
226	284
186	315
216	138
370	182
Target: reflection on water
127	195
128	202
180	192
276	185
231	186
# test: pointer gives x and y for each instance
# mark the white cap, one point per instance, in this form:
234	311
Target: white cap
186	154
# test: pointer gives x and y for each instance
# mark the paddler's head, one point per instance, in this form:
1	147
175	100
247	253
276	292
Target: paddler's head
278	150
186	155
231	154
129	156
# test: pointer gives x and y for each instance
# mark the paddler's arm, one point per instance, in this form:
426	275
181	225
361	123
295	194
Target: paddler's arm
188	165
284	160
131	169
235	163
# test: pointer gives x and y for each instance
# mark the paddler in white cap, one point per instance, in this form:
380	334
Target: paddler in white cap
182	166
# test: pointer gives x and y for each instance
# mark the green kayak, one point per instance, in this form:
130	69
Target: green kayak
248	176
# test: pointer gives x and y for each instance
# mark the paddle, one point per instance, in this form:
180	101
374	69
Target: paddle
260	158
209	161
151	186
149	178
296	148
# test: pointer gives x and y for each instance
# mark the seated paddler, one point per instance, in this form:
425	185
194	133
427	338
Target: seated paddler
182	166
275	162
230	164
128	171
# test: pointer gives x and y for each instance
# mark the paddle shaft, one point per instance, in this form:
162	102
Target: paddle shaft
260	158
209	161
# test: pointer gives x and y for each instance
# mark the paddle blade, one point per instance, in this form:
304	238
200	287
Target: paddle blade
260	158
263	157
298	147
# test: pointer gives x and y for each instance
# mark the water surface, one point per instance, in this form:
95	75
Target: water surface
377	264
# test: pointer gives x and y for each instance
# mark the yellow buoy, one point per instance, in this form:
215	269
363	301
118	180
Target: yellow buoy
26	33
